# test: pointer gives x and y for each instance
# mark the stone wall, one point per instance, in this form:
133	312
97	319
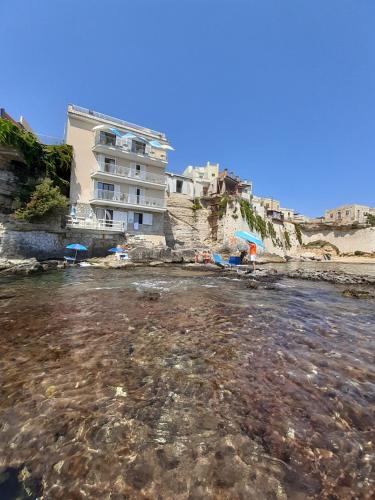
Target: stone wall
347	239
185	227
20	240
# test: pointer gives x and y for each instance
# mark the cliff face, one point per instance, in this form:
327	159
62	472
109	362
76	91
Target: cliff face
346	239
9	158
207	227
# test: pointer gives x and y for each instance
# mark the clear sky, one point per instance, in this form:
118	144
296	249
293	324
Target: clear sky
280	91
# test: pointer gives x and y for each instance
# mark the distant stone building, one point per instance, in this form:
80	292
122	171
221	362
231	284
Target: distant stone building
348	214
231	184
287	213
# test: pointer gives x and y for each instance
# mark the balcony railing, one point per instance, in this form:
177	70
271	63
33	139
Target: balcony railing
96	224
128	147
121	170
129	199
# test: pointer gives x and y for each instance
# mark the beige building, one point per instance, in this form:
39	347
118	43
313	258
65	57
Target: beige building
118	178
202	177
348	214
270	204
287	213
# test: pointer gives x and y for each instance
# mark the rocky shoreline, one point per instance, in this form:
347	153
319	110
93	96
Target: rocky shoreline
263	277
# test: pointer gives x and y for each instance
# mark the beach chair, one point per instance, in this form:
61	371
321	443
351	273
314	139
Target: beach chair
218	260
69	260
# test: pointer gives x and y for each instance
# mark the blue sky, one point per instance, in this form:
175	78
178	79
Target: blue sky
279	91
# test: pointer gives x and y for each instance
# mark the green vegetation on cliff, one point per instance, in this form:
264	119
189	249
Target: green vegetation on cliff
370	219
254	221
45	200
45	173
288	244
297	228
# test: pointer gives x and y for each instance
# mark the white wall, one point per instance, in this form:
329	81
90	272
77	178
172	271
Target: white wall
346	240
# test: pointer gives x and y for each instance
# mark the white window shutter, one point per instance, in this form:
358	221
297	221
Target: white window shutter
147	219
130	217
142	196
148	149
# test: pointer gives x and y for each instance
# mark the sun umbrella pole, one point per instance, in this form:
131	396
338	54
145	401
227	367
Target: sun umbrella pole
75	257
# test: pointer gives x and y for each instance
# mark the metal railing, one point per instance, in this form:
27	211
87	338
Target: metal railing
99	224
123	171
130	199
124	123
128	148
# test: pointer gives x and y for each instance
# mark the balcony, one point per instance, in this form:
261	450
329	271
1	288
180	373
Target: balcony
94	224
115	172
112	198
126	149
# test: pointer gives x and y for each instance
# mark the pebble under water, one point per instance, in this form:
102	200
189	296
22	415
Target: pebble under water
173	384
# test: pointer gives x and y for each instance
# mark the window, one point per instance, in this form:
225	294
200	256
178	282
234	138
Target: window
109	165
179	185
138	168
138	147
105	191
347	212
106	215
138	218
107	138
106	187
339	215
331	215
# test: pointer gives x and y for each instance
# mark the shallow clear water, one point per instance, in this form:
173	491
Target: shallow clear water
208	390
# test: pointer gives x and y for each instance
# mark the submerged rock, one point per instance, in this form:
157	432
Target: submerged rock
358	294
151	295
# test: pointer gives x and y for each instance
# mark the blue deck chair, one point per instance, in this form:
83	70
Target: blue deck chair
218	260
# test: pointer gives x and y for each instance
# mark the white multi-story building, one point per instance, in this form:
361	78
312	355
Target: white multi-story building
118	178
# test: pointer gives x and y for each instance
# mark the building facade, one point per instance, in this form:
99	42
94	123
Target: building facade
180	184
118	177
348	214
202	177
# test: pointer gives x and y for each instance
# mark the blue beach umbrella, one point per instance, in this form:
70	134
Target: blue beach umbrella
249	237
76	247
115	250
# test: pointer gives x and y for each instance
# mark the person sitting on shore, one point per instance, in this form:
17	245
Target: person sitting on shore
242	256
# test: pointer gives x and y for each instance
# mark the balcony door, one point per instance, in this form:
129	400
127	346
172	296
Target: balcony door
105	191
109	165
107	138
138	147
139	171
136	195
104	217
